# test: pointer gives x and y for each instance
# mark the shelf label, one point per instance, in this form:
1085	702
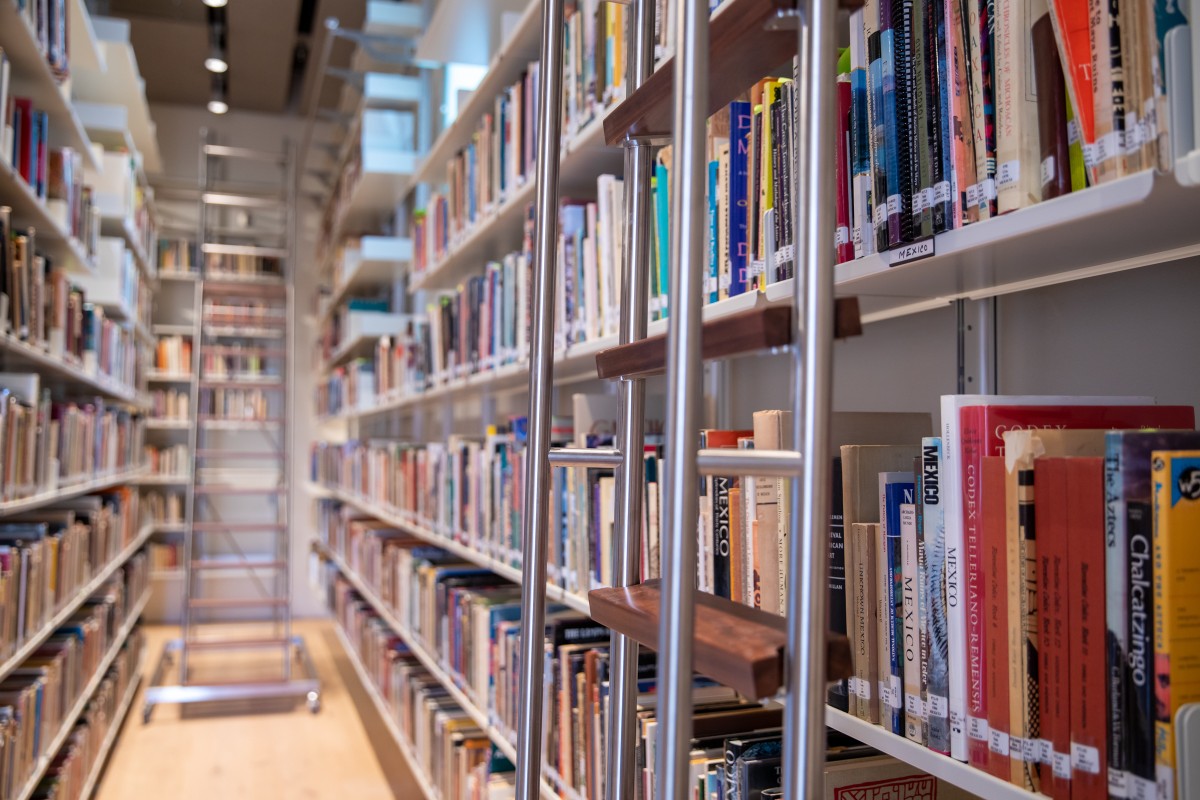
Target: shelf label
1008	174
938	706
912	252
1087	759
914	706
942	192
1045	751
998	743
1048	170
1062	765
977	728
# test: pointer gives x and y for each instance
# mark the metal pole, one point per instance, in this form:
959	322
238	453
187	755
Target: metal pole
804	716
541	386
627	551
688	233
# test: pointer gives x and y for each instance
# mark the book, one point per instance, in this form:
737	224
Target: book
1054	152
895	489
864	620
1018	148
933	534
1053	633
1175	476
912	640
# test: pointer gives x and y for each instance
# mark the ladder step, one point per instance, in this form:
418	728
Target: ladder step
237	602
207	526
228	644
242	200
220	564
243	331
216	488
273	456
254	352
736	645
238	424
234	383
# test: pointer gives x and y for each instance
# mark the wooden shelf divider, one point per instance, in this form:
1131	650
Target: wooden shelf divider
738	646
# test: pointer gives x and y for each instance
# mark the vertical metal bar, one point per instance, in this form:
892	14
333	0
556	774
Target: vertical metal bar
622	738
290	179
804	716
688	234
541	385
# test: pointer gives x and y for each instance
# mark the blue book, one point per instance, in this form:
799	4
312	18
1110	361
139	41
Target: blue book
860	145
571	222
662	217
714	266
895	489
891	122
933	533
878	134
739	173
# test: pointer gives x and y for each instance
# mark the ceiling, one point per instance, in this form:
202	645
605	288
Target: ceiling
268	47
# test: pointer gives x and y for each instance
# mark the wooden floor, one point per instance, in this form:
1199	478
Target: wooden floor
262	753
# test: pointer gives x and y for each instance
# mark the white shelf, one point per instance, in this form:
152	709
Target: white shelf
377	261
33	78
361	345
164	480
172	329
168	424
84	47
964	776
114	727
464	31
554	593
177	276
391	18
71	606
498	231
155	376
121	84
384	180
71	490
123	228
389	721
30	211
58	369
169	527
431	663
85	697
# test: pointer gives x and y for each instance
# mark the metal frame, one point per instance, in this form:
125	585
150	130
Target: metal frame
276	595
804	733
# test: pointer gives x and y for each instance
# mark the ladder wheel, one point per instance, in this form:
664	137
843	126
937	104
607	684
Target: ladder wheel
314	702
147	710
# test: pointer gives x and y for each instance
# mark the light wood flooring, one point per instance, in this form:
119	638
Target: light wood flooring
281	752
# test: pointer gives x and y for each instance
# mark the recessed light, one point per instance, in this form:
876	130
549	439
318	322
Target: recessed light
216	64
218	106
215	3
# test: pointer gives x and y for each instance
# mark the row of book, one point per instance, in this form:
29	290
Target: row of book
160	508
173	355
246	312
173	459
46	444
47	555
40	305
35	699
177	255
469	619
242	265
69	771
172	404
240	404
165	555
240	362
49	22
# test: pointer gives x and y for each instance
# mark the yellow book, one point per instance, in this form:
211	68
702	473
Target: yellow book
1175	476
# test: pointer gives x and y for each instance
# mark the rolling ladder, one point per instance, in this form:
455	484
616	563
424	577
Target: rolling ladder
237	560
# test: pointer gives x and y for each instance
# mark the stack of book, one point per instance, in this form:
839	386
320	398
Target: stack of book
165	555
252	313
174	460
160	509
177	255
173	356
47	19
226	265
239	404
235	361
170	404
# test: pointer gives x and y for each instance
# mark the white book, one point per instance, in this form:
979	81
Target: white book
911	645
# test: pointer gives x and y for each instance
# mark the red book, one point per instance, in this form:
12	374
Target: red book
981	434
24	136
1087	661
843	240
1050	489
995	617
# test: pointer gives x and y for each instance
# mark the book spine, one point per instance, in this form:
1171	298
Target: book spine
1050	488
1116	637
1018	178
720	535
934	535
910	611
955	580
860	141
961	118
739	174
843	241
1139	618
1052	112
1025	703
879	141
838	692
971	449
923	130
865	617
995	665
922	596
894	106
890	711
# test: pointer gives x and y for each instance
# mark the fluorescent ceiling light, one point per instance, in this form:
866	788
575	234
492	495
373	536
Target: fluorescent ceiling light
215	63
215	3
218	106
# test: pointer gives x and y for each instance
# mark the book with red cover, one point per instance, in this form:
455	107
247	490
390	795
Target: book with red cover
1052	111
981	432
994	613
24	136
1087	655
843	240
1050	489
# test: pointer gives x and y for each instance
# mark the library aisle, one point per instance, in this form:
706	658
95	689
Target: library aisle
599	399
191	753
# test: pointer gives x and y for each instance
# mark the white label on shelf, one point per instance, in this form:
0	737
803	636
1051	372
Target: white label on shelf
957	722
914	705
726	280
880	214
938	706
1008	174
758	267
1140	788
1061	763
841	236
852	685
929	195
988	189
1117	778
912	252
1031	750
1048	169
710	285
977	728
1108	146
1045	751
998	742
942	193
1016	747
973	195
1150	118
1091	154
655	306
786	254
1133	132
918	203
896	690
893	204
1087	759
864	689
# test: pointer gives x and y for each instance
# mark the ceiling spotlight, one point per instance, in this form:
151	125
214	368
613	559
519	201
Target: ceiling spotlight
218	106
216	63
215	3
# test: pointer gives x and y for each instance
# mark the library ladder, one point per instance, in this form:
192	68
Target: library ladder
237	560
812	325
